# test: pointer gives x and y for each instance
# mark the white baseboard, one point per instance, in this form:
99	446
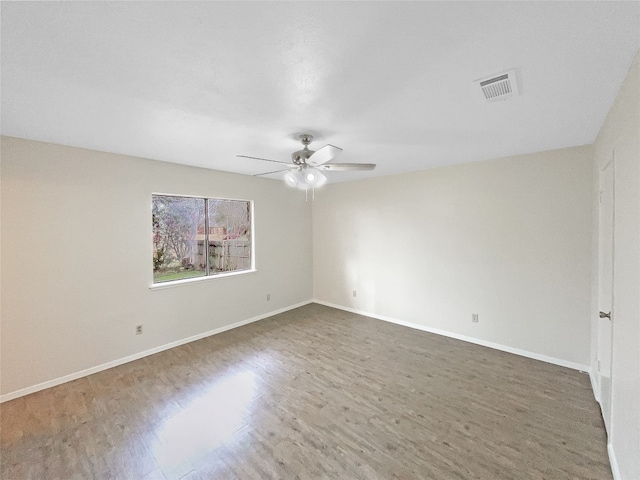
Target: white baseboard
594	385
477	341
614	463
114	363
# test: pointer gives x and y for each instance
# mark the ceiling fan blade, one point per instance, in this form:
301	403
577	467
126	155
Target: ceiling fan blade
265	159
275	171
345	167
324	155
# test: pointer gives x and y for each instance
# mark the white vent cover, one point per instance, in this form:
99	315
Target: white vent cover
499	87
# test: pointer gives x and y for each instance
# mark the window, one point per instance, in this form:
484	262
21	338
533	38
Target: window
197	237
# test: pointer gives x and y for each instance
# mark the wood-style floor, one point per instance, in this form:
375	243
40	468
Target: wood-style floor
312	393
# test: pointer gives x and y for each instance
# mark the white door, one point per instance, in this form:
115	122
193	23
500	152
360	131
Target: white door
605	291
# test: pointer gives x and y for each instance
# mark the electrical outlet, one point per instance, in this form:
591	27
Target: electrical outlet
355	294
139	329
268	297
474	317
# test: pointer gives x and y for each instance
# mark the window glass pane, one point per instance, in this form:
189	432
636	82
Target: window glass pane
178	238
229	235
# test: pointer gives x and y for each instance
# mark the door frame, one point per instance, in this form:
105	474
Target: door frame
599	354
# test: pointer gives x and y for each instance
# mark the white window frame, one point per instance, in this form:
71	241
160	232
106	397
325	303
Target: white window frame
208	276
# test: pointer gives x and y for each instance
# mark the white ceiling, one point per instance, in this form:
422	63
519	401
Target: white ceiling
390	82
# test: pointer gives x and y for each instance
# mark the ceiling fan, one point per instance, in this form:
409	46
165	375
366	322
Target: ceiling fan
305	169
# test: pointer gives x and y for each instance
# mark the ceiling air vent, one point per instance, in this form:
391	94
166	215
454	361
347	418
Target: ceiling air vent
499	87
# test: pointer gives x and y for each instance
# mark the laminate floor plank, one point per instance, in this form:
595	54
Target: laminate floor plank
313	393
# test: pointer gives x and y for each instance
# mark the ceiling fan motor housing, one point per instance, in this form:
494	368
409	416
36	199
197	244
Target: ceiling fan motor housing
301	156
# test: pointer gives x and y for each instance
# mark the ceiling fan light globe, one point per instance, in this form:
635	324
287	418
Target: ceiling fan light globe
291	179
320	180
296	178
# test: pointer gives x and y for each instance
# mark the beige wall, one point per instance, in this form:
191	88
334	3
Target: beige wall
620	138
509	239
76	264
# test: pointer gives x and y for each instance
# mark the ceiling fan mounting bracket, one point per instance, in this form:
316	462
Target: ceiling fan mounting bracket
305	138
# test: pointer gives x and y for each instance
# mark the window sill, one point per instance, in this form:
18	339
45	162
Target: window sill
187	281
